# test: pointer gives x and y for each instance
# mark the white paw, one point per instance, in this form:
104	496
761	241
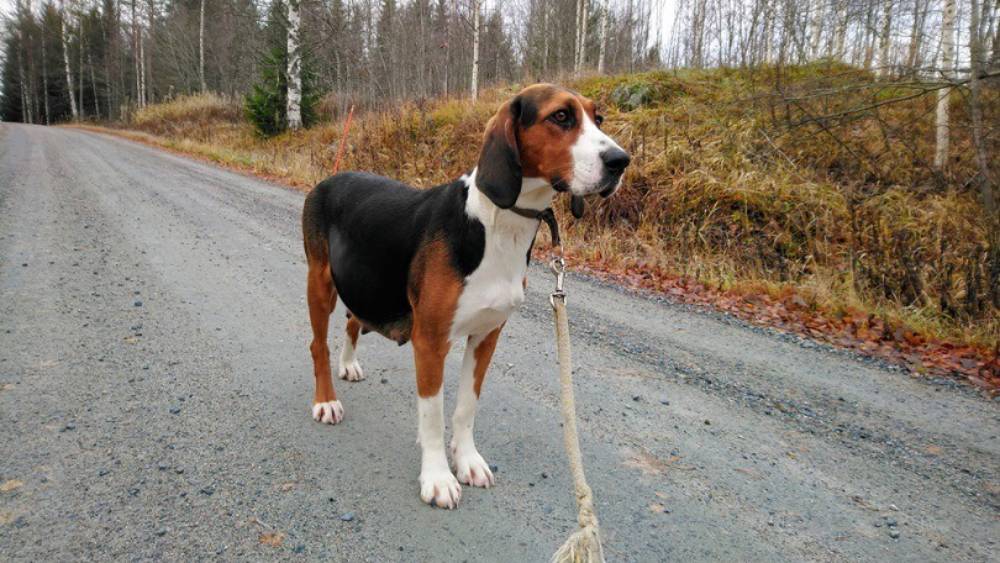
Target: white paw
351	371
440	489
472	469
328	413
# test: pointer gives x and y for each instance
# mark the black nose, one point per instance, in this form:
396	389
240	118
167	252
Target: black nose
615	159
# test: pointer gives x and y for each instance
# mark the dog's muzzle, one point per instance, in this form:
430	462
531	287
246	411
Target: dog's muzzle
615	162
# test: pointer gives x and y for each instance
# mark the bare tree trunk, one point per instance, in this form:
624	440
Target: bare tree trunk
149	67
581	36
135	56
93	87
840	32
545	37
79	73
869	36
447	51
818	8
65	47
22	79
584	17
45	80
916	38
294	66
32	71
25	104
142	72
947	56
996	39
474	89
604	37
976	56
201	41
109	92
698	34
885	40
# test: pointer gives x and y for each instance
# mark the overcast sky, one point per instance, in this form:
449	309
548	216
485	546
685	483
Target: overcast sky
664	14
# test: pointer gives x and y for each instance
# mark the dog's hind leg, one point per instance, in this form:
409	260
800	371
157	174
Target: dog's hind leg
322	298
350	369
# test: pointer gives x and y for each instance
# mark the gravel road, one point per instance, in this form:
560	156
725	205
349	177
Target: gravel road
155	389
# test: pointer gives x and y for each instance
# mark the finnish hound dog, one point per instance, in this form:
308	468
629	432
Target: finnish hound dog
440	265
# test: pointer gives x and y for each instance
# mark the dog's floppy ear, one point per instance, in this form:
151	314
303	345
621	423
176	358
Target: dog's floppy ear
498	174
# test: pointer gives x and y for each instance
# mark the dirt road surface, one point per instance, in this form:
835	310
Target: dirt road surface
155	388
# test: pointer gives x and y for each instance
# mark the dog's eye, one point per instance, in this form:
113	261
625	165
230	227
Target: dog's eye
598	119
561	117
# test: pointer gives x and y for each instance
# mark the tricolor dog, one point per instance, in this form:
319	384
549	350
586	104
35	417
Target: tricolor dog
441	265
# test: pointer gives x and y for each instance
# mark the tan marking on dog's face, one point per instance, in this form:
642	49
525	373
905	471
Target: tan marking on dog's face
545	143
560	138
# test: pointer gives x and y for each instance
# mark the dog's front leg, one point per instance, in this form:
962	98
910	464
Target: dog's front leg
470	467
438	487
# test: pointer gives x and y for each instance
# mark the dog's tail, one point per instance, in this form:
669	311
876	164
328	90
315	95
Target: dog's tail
316	226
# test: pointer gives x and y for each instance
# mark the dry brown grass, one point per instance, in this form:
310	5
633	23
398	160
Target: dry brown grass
723	191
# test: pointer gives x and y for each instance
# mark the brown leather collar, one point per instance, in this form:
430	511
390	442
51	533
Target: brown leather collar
546	215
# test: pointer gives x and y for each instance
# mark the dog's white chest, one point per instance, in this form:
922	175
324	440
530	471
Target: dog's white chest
485	305
495	288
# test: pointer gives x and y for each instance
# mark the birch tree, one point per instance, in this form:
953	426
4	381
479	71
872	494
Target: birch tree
698	33
142	72
137	56
885	39
947	57
604	37
840	31
474	85
45	80
581	36
201	43
916	36
294	66
817	10
65	50
79	74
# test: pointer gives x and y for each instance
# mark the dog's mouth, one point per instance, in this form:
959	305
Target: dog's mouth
608	186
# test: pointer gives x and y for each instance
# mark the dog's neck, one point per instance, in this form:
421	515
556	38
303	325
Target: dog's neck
536	194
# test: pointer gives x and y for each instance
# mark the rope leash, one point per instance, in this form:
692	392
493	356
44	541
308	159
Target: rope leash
584	546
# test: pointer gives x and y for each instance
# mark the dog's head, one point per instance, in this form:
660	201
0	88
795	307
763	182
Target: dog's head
553	134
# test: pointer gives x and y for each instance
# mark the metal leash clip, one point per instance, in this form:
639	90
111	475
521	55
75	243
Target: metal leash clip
558	265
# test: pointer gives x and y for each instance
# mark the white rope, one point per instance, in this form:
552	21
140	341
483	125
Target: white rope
584	546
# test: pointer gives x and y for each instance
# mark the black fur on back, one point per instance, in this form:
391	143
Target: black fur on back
371	228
